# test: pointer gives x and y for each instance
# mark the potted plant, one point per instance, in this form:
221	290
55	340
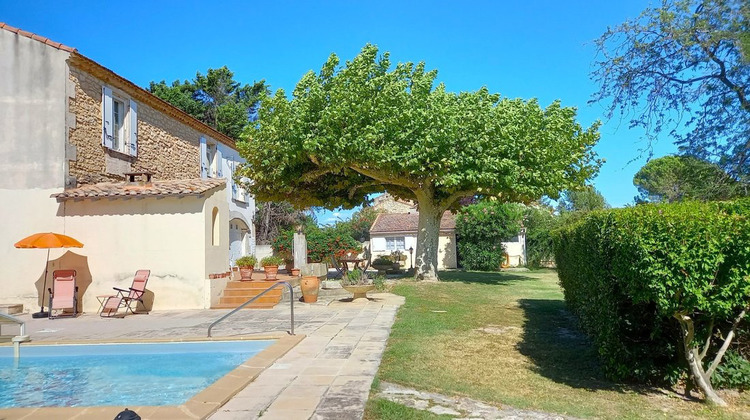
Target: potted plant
382	264
271	266
358	283
246	265
295	272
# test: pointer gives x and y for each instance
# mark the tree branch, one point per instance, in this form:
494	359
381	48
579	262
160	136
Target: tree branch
739	91
725	345
402	181
448	201
708	340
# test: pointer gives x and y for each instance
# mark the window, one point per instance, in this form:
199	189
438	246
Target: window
211	162
119	123
118	120
238	193
395	243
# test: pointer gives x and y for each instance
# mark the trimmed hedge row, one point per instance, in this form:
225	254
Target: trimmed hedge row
629	274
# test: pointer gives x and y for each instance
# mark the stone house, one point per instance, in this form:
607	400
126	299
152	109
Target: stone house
142	184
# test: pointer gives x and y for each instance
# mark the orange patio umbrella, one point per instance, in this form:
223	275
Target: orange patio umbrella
47	240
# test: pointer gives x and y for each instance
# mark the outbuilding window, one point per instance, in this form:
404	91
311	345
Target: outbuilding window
395	243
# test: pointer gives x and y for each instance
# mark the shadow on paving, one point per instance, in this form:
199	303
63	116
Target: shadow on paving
479	277
560	351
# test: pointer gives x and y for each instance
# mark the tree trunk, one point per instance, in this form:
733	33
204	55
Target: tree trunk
428	235
695	363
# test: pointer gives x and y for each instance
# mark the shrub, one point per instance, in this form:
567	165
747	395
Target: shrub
321	242
271	260
382	260
539	223
481	229
649	280
246	261
734	372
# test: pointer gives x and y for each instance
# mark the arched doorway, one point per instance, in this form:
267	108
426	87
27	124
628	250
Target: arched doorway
239	240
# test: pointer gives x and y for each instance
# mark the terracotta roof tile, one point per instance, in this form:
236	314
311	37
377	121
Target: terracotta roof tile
407	223
36	37
179	187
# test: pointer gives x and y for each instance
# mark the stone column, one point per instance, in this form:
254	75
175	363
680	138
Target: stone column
300	249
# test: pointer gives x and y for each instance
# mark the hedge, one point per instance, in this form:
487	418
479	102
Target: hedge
641	278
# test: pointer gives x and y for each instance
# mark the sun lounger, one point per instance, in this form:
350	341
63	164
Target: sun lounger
63	294
127	300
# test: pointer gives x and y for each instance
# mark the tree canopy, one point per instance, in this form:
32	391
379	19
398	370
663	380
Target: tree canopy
214	98
367	126
583	200
676	178
680	69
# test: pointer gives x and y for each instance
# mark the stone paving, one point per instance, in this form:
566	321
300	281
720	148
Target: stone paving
327	375
457	407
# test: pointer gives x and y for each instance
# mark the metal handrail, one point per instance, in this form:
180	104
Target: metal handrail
291	306
17	321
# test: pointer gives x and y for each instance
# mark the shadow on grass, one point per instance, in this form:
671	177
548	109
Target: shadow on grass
479	277
561	352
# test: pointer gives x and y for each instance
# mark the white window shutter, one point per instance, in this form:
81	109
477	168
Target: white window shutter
219	163
107	125
204	159
231	179
133	128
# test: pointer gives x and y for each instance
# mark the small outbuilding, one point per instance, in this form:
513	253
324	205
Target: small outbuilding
398	232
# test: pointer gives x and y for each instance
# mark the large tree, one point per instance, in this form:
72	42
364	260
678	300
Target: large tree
676	178
585	199
679	69
367	127
214	98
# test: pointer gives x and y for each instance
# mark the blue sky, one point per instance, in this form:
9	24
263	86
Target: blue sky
531	49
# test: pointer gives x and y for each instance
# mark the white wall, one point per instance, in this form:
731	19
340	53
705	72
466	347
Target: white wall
446	248
242	208
22	213
33	109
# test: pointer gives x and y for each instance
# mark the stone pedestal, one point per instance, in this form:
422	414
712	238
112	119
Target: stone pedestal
300	250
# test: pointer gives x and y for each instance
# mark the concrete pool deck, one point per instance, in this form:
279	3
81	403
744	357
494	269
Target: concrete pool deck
326	376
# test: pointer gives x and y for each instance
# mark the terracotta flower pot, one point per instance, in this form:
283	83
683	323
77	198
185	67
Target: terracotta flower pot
295	272
246	273
271	271
310	286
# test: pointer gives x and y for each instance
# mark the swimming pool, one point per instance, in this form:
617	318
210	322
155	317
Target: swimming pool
144	374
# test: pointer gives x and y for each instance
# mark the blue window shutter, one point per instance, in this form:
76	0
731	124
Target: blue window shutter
107	125
133	128
204	163
219	163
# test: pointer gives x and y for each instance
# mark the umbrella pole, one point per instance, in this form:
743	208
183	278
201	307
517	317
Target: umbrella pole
41	313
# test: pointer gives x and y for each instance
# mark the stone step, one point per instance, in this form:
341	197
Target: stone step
254	305
238	300
251	292
255	284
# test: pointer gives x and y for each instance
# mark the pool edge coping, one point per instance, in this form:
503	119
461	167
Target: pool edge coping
200	406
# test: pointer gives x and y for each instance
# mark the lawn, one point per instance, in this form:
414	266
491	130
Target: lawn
508	339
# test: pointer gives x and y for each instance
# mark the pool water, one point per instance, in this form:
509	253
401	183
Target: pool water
117	374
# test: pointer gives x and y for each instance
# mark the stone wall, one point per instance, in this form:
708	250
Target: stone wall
387	204
166	147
